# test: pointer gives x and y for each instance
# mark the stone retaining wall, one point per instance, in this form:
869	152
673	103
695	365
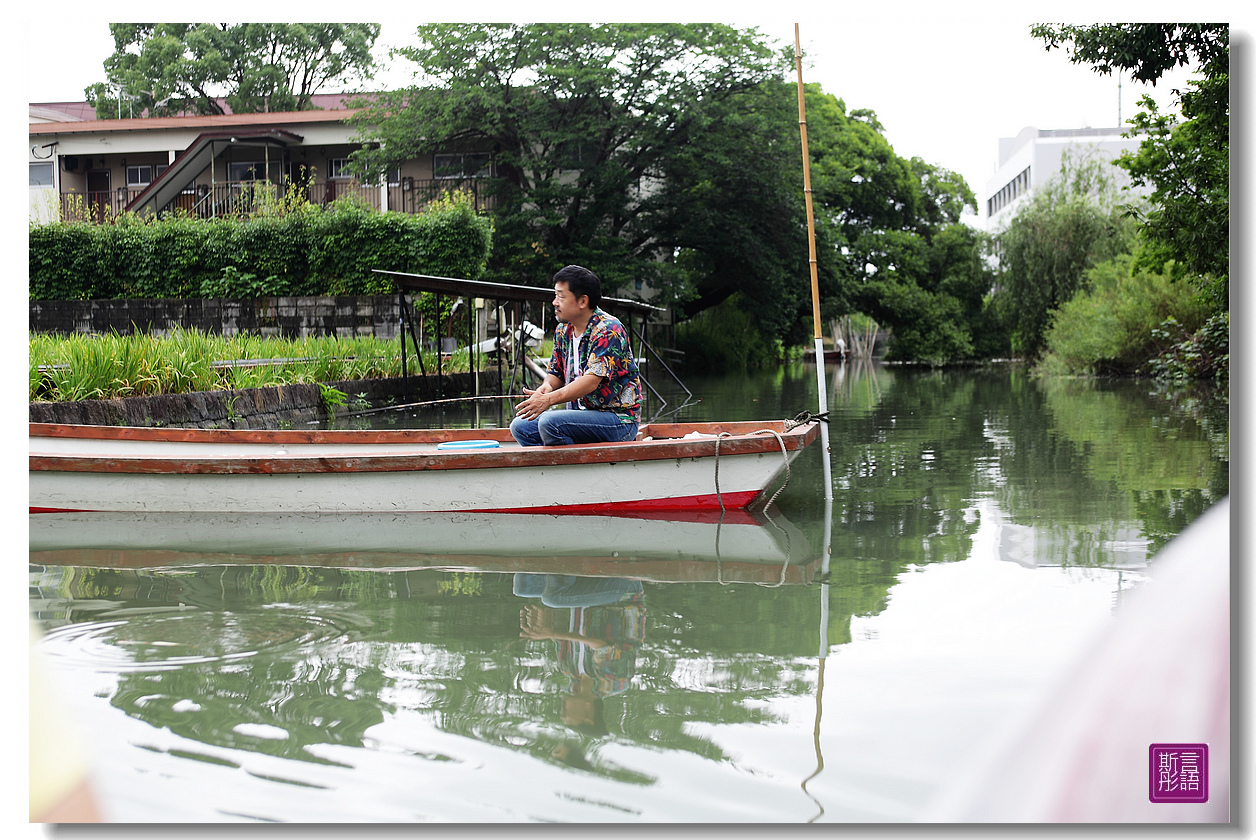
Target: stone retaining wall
286	317
287	406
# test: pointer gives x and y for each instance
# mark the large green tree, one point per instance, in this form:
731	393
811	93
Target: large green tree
730	208
175	68
578	117
1074	222
1185	161
891	233
670	154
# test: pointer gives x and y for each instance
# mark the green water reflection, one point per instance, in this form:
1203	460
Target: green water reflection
284	658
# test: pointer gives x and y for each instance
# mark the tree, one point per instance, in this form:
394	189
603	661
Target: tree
176	68
1187	162
670	154
730	206
1075	221
892	235
580	120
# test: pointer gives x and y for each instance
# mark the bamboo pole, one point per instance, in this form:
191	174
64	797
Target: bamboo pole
826	457
822	386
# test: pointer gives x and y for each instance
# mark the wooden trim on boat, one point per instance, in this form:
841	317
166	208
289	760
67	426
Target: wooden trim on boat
266	436
658	431
744	441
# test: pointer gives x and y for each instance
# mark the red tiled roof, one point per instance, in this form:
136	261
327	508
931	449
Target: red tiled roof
69	110
330	107
205	122
87	111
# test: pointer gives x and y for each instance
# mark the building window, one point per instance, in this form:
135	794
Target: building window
394	179
574	154
338	169
1014	189
139	176
246	170
41	174
475	165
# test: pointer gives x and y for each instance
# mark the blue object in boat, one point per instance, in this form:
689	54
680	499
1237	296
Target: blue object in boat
468	444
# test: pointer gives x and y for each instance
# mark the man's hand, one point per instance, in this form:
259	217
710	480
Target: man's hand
535	623
538	401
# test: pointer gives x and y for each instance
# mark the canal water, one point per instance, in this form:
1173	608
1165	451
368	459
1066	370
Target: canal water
985	527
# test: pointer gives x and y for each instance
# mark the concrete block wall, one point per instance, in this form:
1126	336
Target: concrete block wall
287	406
288	317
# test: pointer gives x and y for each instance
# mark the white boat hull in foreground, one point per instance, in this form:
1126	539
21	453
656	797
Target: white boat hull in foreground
102	468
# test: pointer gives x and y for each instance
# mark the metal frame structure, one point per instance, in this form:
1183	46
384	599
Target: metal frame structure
634	313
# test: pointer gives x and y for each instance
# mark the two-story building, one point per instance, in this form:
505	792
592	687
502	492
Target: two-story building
1032	157
81	167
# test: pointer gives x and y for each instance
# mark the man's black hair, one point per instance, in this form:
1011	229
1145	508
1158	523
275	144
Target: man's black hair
580	281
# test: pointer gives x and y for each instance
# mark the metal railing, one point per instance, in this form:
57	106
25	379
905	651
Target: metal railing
244	198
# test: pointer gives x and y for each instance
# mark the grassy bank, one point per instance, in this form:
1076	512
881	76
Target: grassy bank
87	367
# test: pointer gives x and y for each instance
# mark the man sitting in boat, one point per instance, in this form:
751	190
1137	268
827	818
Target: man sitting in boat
592	370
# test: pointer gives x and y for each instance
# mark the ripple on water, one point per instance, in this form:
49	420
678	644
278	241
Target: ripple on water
167	641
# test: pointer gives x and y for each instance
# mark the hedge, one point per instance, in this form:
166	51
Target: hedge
308	251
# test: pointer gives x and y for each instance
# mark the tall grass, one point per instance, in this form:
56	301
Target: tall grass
84	367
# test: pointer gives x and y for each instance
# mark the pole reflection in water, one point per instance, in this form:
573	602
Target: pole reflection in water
823	578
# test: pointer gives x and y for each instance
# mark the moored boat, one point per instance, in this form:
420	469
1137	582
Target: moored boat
669	467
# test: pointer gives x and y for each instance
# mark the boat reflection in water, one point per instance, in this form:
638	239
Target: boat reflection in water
737	546
328	651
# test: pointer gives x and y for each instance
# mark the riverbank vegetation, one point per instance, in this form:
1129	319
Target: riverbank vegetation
666	157
1098	283
93	367
288	246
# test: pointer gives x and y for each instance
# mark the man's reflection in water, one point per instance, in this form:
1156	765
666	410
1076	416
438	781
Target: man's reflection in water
597	625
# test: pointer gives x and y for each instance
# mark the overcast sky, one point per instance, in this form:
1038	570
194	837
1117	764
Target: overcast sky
946	80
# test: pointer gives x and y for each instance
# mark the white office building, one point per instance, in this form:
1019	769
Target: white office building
1033	157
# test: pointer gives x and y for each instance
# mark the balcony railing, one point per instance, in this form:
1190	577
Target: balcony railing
245	198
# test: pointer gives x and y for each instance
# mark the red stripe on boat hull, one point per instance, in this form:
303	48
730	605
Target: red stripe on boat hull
643	508
705	502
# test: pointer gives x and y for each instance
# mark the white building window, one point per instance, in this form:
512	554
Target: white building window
474	165
139	176
41	175
338	169
246	170
394	179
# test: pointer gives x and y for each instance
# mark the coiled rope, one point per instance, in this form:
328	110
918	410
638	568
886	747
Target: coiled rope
801	419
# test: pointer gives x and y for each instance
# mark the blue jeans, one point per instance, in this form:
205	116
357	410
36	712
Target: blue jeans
560	426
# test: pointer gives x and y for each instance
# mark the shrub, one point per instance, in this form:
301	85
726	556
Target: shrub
1205	354
79	366
724	337
305	250
1118	325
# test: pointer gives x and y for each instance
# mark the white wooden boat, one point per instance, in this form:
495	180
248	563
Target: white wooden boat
669	467
736	546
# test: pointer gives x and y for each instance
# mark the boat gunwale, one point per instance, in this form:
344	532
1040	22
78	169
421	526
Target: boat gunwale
749	438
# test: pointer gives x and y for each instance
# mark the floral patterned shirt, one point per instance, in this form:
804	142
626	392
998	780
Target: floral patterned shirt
605	351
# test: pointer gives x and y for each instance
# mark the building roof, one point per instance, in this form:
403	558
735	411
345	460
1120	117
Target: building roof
209	121
86	111
61	112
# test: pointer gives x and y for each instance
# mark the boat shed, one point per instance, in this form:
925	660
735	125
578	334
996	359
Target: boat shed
514	334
